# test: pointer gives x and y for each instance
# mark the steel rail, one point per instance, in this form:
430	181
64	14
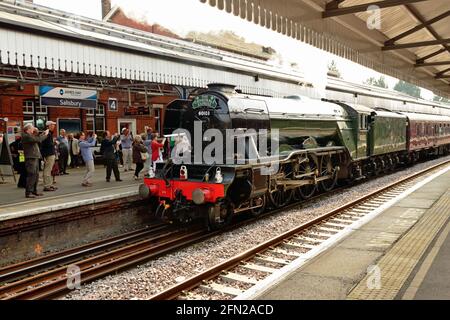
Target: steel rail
54	282
211	273
15	271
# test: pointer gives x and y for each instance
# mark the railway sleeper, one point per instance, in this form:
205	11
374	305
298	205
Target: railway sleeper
219	288
264	258
233	277
305	243
256	267
344	222
330	231
317	234
286	252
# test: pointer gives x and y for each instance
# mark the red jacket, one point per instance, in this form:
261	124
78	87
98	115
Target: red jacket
155	150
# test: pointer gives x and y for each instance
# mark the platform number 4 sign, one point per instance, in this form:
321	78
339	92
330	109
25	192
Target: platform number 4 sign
113	104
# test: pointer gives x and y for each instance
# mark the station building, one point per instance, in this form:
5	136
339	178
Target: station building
120	103
22	104
135	70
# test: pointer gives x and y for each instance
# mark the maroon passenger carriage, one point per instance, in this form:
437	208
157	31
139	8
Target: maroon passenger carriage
427	135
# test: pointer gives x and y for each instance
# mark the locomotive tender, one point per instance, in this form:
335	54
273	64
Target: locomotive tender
316	144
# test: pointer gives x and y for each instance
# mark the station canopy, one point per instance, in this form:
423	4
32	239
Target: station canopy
406	39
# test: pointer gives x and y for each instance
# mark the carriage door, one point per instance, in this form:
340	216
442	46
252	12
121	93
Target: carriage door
363	126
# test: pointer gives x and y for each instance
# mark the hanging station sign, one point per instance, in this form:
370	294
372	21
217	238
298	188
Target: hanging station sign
113	105
68	97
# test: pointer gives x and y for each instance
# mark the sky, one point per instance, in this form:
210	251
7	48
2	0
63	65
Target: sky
172	14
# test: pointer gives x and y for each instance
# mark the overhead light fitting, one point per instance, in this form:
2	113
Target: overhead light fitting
8	80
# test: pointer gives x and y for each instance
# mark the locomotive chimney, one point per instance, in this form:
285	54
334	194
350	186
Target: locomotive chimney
222	87
106	7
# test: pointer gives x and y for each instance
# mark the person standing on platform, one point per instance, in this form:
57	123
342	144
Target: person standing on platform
63	151
126	140
88	157
107	149
74	151
148	162
48	153
19	161
156	148
139	150
55	169
149	131
30	142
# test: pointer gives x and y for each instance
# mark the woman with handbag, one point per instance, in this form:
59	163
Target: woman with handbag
140	155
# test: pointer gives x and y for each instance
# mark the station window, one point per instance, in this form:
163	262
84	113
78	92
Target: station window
100	111
98	119
41	110
28	107
157	114
99	124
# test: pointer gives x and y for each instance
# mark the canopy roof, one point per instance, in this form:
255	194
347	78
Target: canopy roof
410	41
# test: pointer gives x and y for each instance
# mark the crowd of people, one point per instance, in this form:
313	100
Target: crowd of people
35	151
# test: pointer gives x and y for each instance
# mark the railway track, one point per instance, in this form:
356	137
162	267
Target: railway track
47	277
237	276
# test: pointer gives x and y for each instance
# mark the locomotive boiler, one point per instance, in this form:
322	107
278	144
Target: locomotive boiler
247	153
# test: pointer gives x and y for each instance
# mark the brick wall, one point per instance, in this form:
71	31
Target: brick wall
12	98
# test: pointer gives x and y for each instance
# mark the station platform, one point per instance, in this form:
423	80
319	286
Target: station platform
403	253
70	193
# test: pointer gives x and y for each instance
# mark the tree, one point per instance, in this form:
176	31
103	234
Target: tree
381	82
333	70
408	88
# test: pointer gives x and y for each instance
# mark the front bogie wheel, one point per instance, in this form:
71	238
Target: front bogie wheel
220	215
257	205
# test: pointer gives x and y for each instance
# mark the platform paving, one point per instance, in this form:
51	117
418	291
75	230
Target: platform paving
70	193
381	259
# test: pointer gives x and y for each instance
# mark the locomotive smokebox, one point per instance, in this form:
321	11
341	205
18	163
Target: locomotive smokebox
222	87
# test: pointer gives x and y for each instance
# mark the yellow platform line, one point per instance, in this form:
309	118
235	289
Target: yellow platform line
397	264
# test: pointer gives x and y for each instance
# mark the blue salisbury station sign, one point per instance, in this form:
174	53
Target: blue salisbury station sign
68	97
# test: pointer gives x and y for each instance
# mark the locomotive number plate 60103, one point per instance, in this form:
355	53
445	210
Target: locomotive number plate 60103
204	113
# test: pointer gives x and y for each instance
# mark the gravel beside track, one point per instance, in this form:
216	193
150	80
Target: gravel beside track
148	279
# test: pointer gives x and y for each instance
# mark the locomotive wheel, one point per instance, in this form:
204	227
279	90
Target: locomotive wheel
225	211
279	197
326	168
258	201
308	190
389	164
